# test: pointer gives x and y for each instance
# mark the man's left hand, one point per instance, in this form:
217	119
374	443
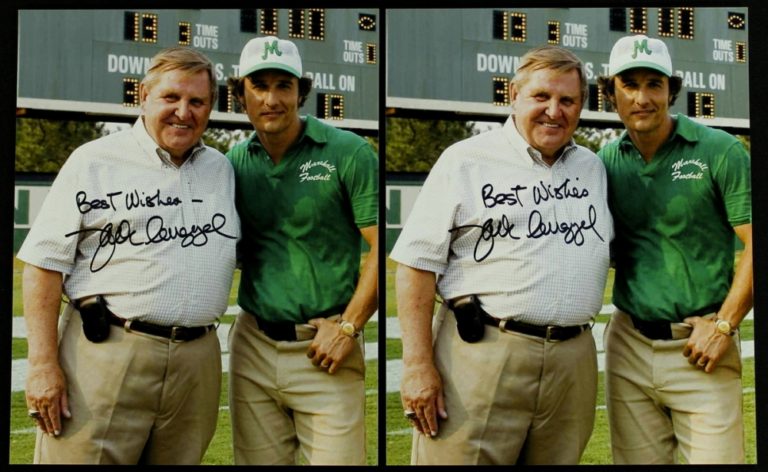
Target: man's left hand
706	346
330	347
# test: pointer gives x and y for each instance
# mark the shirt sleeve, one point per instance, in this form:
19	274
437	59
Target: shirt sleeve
733	180
361	181
50	243
425	240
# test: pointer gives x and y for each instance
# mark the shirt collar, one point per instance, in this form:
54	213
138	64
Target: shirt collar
152	149
521	144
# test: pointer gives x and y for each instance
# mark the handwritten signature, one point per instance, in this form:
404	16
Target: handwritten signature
573	232
156	232
488	231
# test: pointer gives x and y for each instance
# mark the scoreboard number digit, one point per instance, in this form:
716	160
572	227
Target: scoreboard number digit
141	27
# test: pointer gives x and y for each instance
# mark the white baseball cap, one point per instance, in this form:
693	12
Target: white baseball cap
631	52
270	52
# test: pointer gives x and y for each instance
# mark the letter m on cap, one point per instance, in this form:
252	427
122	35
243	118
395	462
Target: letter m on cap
641	46
271	48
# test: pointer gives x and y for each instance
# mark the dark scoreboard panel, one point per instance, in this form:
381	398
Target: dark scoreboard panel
461	60
91	61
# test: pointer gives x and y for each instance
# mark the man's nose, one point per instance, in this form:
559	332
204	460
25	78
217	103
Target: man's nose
553	109
183	110
641	97
271	98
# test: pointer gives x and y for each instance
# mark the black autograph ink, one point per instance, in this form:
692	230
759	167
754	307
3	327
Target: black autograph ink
134	200
194	235
84	205
111	236
572	232
490	200
543	192
488	232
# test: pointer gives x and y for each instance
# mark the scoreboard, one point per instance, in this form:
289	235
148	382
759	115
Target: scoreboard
463	61
91	61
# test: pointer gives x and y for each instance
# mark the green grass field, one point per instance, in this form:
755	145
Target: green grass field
22	440
399	434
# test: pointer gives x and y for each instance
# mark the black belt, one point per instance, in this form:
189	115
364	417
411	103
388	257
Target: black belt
550	333
662	330
277	330
655	330
174	333
286	330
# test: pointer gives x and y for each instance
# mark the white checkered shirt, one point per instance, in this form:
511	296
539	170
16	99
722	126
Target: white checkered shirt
532	241
156	240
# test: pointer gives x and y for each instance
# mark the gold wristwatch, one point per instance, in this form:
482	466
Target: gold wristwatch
348	328
724	327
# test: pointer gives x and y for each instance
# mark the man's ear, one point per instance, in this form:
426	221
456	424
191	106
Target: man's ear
143	92
512	96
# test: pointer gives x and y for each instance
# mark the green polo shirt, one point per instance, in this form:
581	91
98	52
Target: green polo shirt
301	221
674	218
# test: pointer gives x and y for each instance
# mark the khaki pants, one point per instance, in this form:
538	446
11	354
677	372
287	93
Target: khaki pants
135	399
659	404
511	399
281	404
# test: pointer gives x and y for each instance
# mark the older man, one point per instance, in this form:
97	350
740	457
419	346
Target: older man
679	192
513	227
139	232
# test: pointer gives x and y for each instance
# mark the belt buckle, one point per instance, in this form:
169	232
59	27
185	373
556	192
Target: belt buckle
503	326
127	325
548	337
174	331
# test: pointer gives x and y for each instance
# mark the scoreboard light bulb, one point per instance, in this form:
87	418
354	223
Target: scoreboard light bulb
741	51
185	33
333	106
553	32
600	98
366	22
370	53
705	105
708	105
316	15
136	34
130	92
338	107
519	27
666	22
506	27
736	20
150	28
272	14
500	90
296	22
685	23
633	12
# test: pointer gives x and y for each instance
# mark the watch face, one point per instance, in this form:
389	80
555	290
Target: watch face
723	326
348	328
